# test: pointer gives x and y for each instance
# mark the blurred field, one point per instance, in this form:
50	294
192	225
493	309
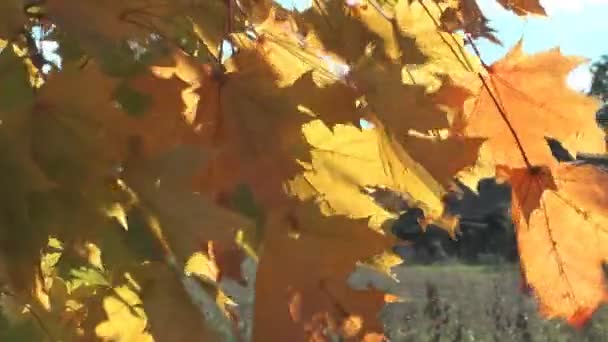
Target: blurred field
455	302
473	303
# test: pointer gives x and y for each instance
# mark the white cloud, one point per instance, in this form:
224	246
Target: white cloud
580	78
557	6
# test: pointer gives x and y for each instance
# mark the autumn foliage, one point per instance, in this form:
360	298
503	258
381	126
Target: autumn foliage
179	137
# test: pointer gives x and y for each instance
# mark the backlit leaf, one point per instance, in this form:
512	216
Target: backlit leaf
561	221
568	115
523	7
313	305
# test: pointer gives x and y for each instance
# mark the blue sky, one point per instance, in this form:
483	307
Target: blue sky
578	27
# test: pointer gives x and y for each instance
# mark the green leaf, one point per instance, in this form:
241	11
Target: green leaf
88	276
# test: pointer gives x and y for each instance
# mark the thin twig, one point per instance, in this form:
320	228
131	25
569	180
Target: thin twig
460	48
438	26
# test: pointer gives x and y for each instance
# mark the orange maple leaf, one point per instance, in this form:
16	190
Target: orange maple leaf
526	91
560	215
523	7
301	285
255	124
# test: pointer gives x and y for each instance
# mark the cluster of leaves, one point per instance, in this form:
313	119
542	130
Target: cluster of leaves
179	136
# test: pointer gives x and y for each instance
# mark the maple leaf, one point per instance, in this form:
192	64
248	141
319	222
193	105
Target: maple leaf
56	105
156	112
169	309
186	219
443	158
309	73
124	321
352	30
410	112
285	51
333	103
466	15
523	7
256	126
334	23
444	51
214	20
154	107
560	216
102	24
107	153
292	305
348	159
23	178
568	115
402	107
13	18
16	99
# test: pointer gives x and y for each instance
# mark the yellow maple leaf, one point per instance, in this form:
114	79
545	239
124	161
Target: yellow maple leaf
443	51
100	24
126	321
347	159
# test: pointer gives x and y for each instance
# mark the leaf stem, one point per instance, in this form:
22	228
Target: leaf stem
493	96
498	105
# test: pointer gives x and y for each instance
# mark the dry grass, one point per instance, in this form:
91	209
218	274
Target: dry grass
473	303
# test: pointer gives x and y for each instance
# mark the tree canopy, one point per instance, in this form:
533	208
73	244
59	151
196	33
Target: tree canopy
177	138
599	81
